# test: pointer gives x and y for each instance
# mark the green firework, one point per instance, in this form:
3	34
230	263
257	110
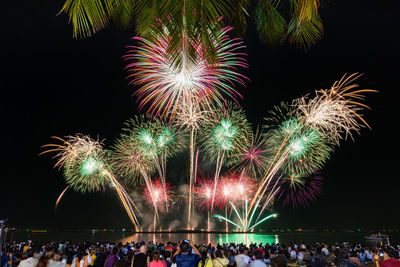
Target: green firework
84	163
130	160
154	136
305	148
225	133
307	152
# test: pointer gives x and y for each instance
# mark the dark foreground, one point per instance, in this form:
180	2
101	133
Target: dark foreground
253	254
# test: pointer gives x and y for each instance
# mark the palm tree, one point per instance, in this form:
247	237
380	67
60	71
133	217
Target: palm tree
296	21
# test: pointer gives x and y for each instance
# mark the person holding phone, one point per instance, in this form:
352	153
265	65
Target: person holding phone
184	257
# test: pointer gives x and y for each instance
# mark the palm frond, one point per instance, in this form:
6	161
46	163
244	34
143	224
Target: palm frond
147	12
238	16
305	33
122	12
305	27
87	16
271	25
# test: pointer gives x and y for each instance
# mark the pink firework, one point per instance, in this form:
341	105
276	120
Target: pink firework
158	195
203	191
169	80
253	156
299	190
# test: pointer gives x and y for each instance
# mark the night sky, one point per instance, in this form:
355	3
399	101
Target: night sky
53	84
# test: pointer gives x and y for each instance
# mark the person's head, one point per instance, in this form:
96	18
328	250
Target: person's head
80	254
258	255
70	256
173	259
156	255
50	254
43	261
115	251
167	254
184	247
142	249
204	254
241	250
218	253
227	253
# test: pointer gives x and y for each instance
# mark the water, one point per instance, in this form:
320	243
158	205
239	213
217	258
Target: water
214	238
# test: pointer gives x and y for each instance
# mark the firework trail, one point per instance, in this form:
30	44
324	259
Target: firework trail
86	169
224	136
59	198
133	164
156	140
234	192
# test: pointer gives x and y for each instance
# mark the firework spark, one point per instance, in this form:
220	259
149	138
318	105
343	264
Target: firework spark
203	192
223	136
254	157
168	81
335	111
86	169
299	190
158	194
82	159
331	114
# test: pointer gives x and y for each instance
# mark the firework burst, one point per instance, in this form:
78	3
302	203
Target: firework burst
335	111
328	116
156	140
234	187
86	169
299	190
82	159
158	194
168	81
253	157
130	160
225	133
203	192
307	152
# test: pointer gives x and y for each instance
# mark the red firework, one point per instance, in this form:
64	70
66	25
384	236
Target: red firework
203	191
234	187
157	194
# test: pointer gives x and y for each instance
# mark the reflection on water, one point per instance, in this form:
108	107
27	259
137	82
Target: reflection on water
203	238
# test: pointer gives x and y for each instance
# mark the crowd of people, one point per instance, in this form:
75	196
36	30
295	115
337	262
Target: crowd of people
187	254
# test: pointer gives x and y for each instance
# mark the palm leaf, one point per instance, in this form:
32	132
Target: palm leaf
147	12
122	12
87	16
271	25
237	16
305	27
